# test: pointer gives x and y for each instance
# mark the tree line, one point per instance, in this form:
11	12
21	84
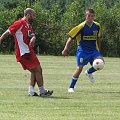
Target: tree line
55	18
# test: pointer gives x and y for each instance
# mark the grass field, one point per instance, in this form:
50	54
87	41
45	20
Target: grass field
99	101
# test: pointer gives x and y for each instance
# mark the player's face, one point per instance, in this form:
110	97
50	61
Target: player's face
89	17
32	17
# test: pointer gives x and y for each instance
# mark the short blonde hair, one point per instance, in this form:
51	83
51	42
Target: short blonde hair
90	10
28	10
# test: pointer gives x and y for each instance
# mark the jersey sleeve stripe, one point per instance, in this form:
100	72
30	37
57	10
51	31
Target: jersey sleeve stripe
74	32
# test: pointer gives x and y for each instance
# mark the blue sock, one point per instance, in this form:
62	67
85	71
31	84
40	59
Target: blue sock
91	70
73	82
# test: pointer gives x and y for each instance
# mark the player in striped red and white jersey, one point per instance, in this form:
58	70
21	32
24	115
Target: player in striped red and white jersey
24	38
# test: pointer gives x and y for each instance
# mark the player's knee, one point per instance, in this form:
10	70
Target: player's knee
38	69
79	69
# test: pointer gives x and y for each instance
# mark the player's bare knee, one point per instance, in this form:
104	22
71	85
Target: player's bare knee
38	69
79	68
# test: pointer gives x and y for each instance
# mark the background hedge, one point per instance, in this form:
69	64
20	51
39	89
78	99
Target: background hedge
56	17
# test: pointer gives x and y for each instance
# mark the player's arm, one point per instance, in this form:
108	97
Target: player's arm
99	38
4	35
32	41
99	43
11	30
67	45
73	33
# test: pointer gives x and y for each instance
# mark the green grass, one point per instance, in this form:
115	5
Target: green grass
99	101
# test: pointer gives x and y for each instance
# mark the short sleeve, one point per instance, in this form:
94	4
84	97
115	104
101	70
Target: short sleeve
99	29
74	32
99	32
15	26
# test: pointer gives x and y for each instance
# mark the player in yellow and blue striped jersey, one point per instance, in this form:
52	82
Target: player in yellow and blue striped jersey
87	35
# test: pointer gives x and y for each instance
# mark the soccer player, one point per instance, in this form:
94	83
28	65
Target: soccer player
87	35
24	38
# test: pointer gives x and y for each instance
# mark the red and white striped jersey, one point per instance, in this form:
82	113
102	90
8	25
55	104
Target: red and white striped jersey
22	32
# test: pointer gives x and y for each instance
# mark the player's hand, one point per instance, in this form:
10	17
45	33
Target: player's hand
64	52
0	40
32	42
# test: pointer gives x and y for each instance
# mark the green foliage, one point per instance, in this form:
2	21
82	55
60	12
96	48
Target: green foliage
109	19
56	17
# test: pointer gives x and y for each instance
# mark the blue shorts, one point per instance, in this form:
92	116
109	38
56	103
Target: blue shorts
83	58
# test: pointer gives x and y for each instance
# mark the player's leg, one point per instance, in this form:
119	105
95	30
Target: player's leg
36	77
75	78
96	55
90	75
25	62
32	79
32	82
39	80
80	64
39	77
91	70
31	63
36	69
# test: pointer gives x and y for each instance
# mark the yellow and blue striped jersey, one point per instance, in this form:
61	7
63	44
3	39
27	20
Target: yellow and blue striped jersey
86	36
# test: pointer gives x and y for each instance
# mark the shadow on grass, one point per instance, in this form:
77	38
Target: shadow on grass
57	97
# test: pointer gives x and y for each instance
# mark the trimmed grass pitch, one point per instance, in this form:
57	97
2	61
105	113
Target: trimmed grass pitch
98	101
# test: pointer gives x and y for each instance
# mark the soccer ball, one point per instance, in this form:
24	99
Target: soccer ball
98	64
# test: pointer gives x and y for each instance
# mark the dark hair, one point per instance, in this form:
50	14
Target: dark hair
90	10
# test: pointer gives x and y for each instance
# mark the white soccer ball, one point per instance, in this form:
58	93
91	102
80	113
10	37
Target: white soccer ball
98	64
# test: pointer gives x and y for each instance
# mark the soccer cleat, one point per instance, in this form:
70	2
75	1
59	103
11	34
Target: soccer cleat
71	90
35	94
90	77
47	93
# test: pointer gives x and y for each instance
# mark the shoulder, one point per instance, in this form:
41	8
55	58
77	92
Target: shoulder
18	21
96	23
15	26
21	21
81	25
